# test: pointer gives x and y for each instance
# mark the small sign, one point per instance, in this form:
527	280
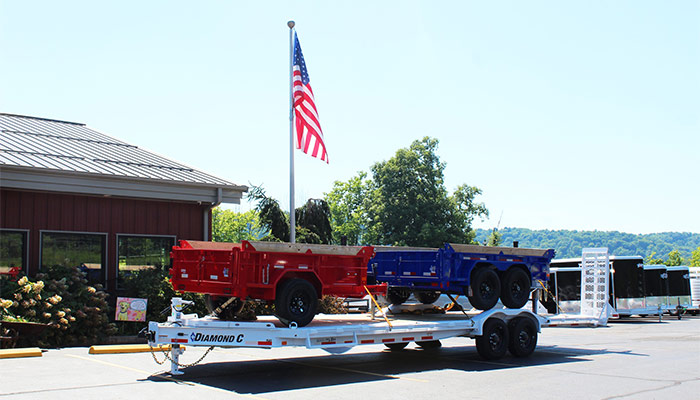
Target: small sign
131	309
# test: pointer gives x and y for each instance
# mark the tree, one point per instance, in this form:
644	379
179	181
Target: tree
695	258
652	260
405	203
271	215
413	207
230	226
495	238
315	217
312	219
674	259
349	204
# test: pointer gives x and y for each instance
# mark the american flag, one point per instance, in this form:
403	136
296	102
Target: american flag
309	135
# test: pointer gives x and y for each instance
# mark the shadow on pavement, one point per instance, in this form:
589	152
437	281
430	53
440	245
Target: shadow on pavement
274	375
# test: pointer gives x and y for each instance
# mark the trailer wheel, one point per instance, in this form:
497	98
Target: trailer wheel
493	342
227	314
397	295
523	337
515	288
429	344
396	346
485	289
427	297
296	301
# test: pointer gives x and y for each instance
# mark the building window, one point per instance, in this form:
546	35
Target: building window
13	251
84	250
136	253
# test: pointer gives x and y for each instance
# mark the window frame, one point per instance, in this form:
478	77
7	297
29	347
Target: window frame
116	250
104	235
25	246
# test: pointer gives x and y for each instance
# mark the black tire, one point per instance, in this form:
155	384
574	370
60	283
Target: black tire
426	297
430	344
296	301
396	346
523	337
227	314
486	287
515	288
397	295
493	342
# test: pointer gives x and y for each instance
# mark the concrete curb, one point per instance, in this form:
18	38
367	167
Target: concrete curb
126	348
17	353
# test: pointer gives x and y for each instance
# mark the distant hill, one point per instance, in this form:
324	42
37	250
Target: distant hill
569	243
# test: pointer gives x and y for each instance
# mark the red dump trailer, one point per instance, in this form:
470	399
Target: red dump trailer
293	276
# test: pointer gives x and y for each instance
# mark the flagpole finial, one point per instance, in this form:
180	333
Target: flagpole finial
290	24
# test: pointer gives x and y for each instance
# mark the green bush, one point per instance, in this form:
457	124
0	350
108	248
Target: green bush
87	304
75	312
154	284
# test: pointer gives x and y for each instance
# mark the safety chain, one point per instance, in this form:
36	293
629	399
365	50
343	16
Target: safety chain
551	294
153	353
167	357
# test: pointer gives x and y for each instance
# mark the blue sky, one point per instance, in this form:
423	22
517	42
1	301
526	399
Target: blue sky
568	115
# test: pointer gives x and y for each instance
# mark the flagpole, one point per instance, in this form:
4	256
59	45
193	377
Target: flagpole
292	216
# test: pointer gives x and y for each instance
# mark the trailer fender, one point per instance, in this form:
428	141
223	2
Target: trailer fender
310	276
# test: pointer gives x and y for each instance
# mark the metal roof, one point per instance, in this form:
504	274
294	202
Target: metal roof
39	145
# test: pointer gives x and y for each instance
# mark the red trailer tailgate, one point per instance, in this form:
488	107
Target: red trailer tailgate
204	267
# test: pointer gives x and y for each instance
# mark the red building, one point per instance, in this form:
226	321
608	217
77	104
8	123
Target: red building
73	196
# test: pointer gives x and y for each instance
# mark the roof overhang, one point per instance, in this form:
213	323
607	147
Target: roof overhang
40	179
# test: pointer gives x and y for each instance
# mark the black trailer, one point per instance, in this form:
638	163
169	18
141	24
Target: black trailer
655	288
626	290
628	284
678	289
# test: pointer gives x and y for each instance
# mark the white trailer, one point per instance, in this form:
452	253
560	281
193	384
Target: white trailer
496	331
694	290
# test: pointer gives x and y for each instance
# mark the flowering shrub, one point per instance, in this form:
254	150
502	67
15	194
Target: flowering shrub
61	298
85	308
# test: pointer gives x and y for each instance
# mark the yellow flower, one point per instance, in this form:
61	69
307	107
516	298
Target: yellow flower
5	303
23	281
61	314
39	286
47	315
71	319
63	321
92	290
27	288
18	296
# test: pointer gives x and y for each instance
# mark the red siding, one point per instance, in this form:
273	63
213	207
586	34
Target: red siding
37	211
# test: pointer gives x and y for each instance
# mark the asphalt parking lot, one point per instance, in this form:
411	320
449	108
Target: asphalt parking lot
635	358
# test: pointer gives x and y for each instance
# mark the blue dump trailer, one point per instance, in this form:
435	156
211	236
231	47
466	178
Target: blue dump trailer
482	273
